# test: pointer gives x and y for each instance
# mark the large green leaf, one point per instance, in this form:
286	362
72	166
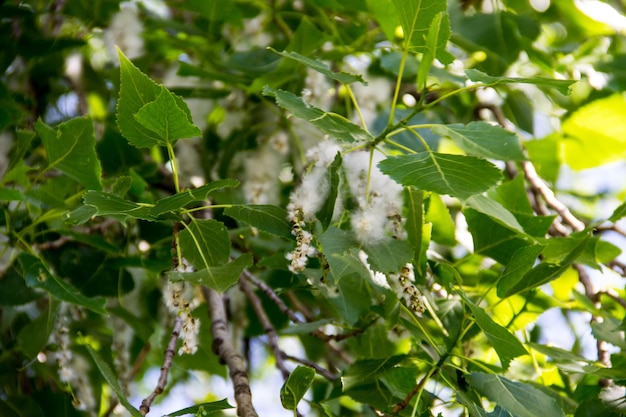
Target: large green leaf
180	200
332	124
205	243
457	175
540	274
521	400
296	386
439	27
37	275
321	67
218	278
271	219
484	140
416	17
112	380
520	264
595	134
71	148
505	344
136	90
562	85
99	203
494	210
164	117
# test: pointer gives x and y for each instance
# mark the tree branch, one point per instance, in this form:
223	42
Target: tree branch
167	364
322	371
224	349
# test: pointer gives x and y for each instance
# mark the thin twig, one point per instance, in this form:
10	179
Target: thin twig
272	296
268	328
224	349
167	364
322	371
615	296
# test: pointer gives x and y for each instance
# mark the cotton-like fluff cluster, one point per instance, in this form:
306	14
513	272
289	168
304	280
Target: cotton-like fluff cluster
377	278
180	299
307	199
404	285
73	369
125	33
378	216
263	167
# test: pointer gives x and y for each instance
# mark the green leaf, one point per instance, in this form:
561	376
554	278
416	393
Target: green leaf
443	227
512	195
325	214
164	117
415	229
416	18
520	264
305	328
37	275
332	124
270	219
9	194
296	386
386	15
389	255
202	409
33	337
484	140
322	68
71	148
218	278
439	26
106	204
562	86
542	273
558	354
368	370
177	201
111	379
494	210
519	399
457	175
618	213
595	134
205	243
505	344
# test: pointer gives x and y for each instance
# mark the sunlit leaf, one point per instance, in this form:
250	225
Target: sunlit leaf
416	17
457	175
112	380
439	27
618	213
521	400
443	227
595	133
71	148
218	278
332	124
270	219
484	140
296	386
520	264
562	85
505	344
494	210
205	243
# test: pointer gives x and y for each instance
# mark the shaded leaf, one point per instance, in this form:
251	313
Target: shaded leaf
332	124
202	409
180	200
164	117
271	219
322	68
71	148
218	278
484	140
415	229
521	400
520	264
38	276
9	194
107	204
457	175
325	214
562	86
388	255
205	243
33	337
505	344
296	386
111	379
